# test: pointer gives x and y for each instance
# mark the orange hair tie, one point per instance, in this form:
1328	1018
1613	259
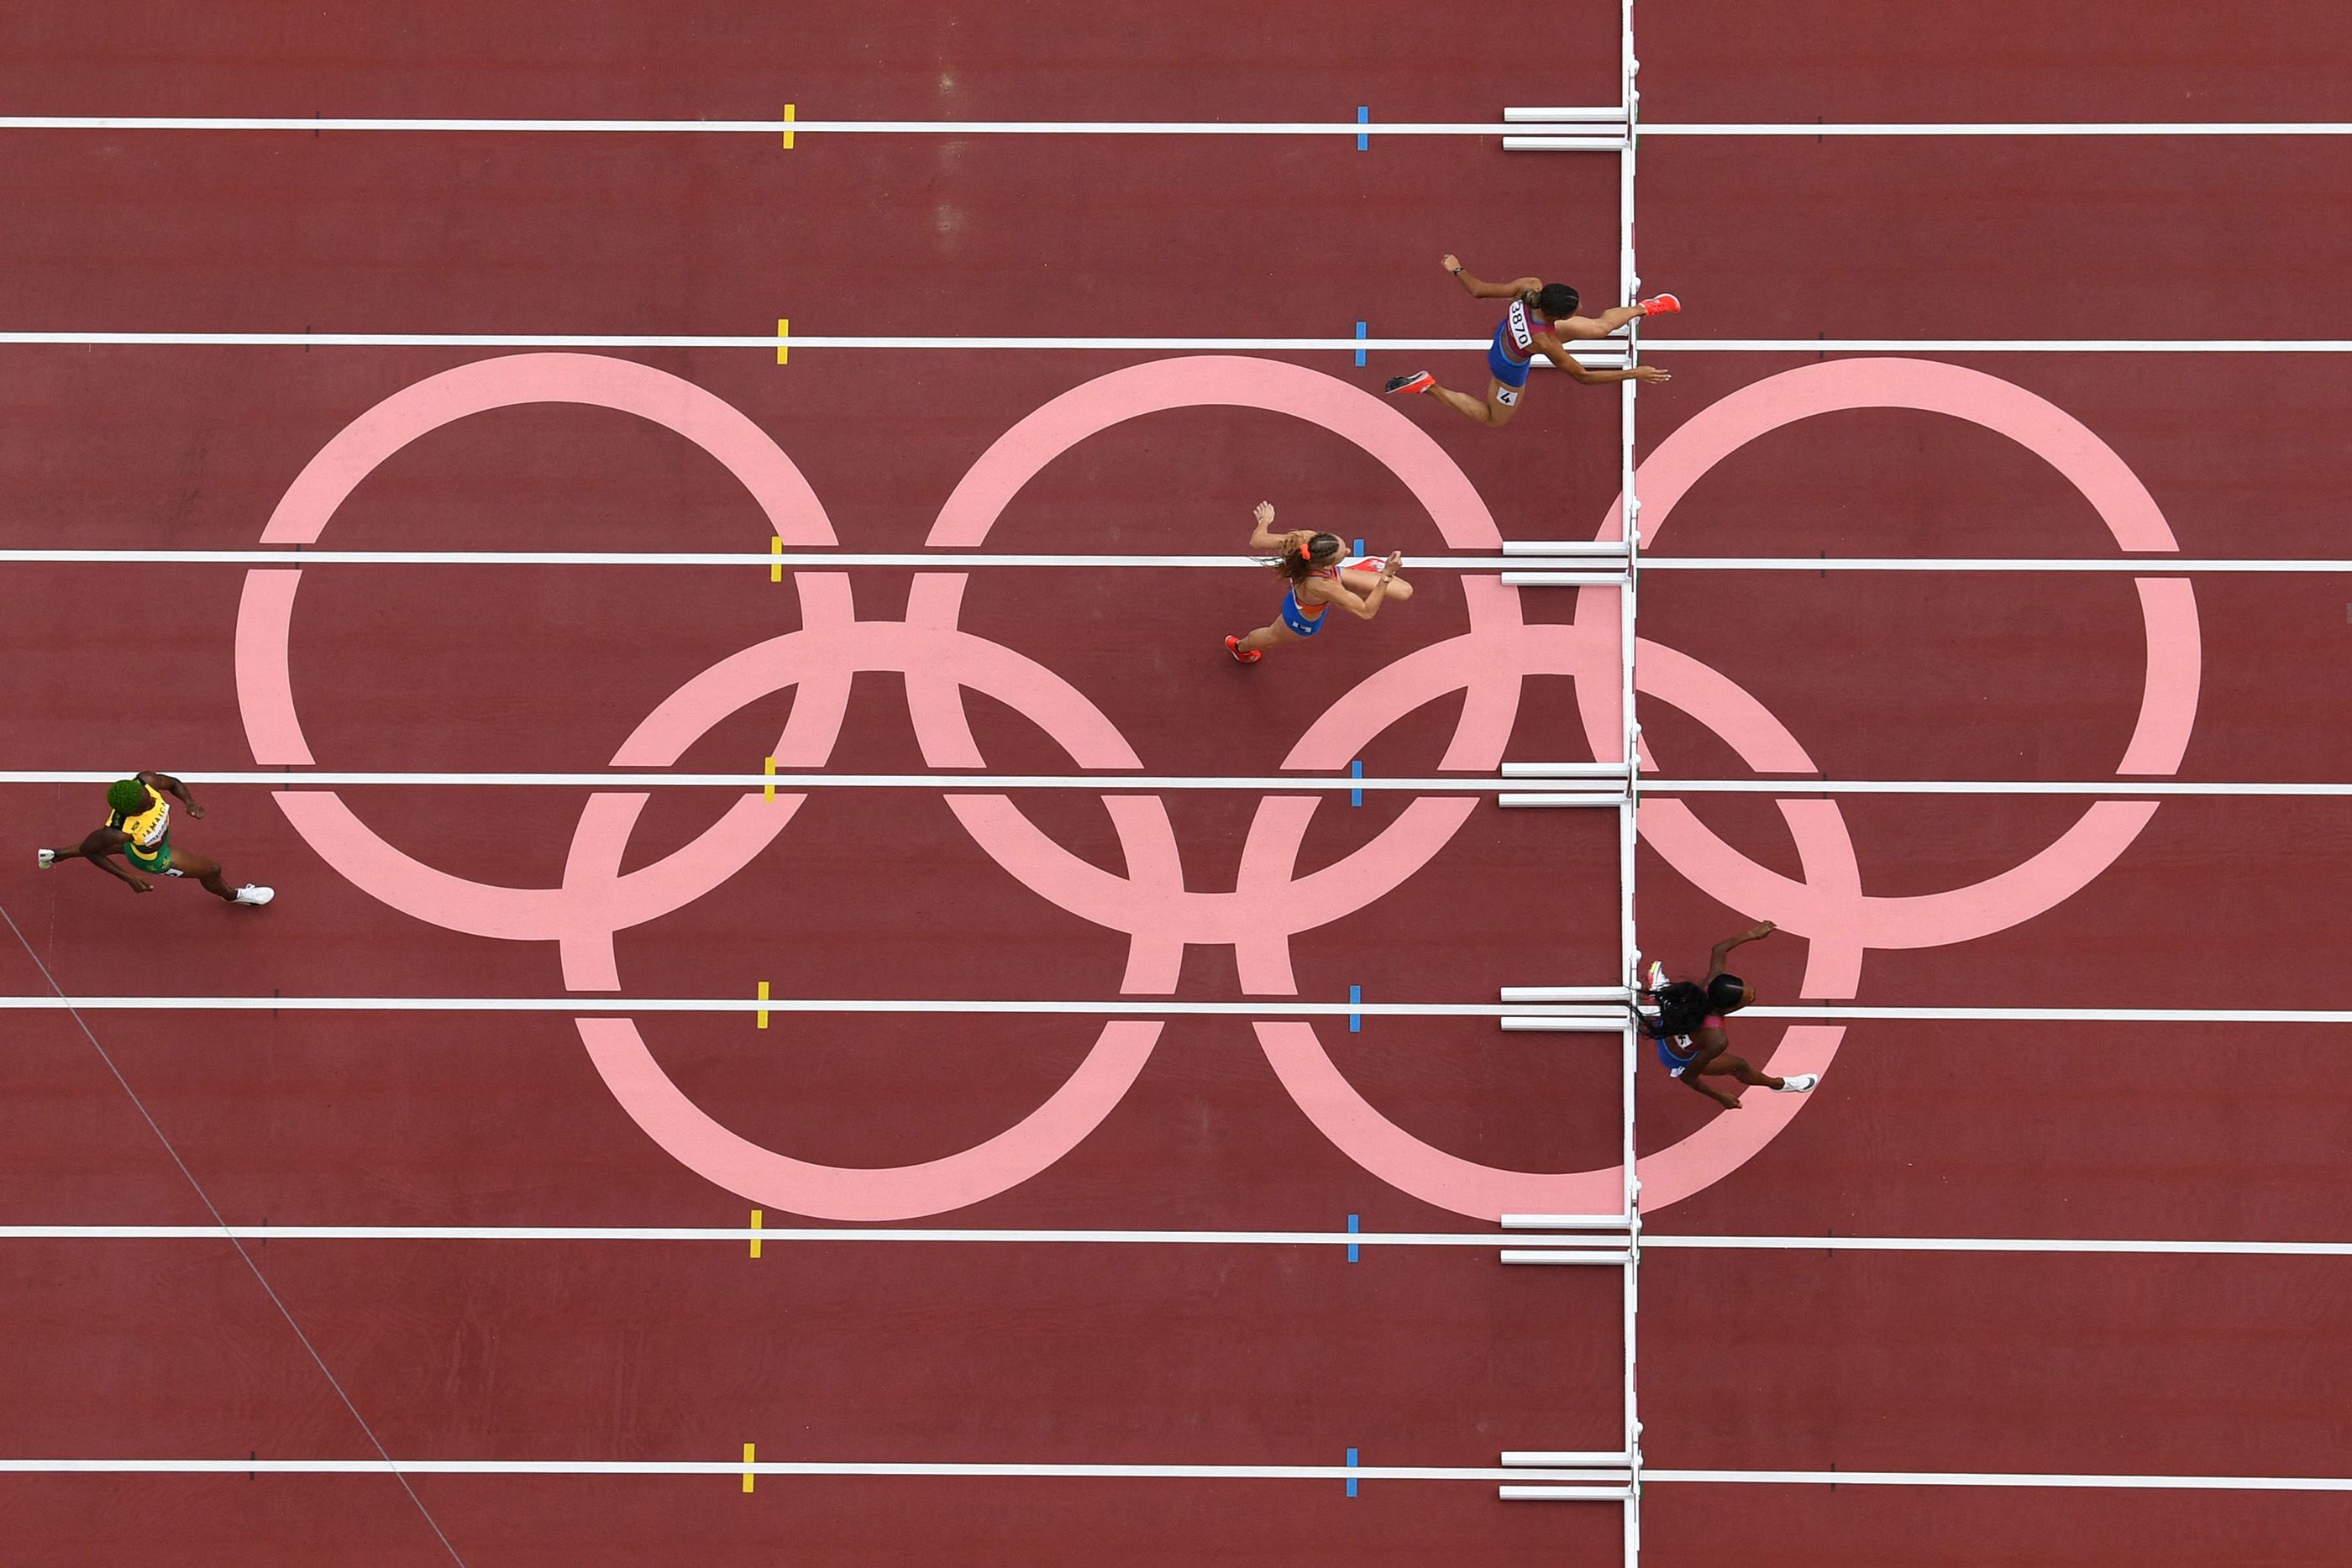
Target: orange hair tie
1306	549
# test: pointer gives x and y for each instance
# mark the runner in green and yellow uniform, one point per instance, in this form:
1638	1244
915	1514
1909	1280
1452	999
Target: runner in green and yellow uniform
139	825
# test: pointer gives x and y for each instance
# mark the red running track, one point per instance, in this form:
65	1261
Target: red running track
1140	1353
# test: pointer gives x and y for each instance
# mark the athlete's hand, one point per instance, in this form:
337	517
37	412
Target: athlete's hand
1265	513
1389	566
194	810
1761	929
141	884
1727	1102
1450	263
1649	373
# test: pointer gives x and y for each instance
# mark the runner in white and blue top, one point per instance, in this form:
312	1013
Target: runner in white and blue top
1540	316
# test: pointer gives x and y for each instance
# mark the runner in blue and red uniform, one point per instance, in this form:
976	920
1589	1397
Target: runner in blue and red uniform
1320	574
1686	1018
1540	316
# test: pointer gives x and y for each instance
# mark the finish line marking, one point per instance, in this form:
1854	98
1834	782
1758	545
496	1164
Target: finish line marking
1352	1240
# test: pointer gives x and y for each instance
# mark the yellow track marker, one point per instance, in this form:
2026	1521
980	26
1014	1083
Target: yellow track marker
755	1252
763	997
776	547
783	335
747	1476
768	792
788	127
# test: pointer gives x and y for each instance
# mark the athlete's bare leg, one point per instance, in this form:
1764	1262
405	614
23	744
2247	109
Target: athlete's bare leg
1608	321
1270	636
205	874
1501	402
1728	1065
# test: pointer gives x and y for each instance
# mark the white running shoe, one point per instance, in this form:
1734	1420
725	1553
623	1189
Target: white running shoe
48	859
249	893
1657	974
1798	1084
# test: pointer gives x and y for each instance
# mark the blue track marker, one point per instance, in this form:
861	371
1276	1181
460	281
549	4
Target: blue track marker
1355	1020
1352	1465
1361	327
1363	144
1355	1224
1356	770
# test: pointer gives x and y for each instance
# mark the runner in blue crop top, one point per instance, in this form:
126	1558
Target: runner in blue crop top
1319	574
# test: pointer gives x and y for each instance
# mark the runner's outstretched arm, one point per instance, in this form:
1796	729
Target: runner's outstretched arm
1481	289
1265	540
98	849
1722	950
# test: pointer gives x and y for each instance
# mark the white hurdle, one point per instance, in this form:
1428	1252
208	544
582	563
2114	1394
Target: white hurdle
1563	580
1600	128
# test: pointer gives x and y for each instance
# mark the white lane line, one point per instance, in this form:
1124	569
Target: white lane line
2009	128
1996	345
1123	1007
2016	1479
1595	358
1088	782
1995	1244
1152	1472
738	1235
1351	127
1102	783
1579	123
1600	358
2094	787
1133	1008
2060	1015
947	560
923	561
777	1467
2145	566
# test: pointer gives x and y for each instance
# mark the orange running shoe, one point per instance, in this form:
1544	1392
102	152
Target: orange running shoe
1245	655
1419	381
1664	305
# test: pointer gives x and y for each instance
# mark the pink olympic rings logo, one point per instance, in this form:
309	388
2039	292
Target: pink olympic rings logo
1153	905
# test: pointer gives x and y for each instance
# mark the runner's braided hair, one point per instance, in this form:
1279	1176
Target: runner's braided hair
1296	565
128	796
